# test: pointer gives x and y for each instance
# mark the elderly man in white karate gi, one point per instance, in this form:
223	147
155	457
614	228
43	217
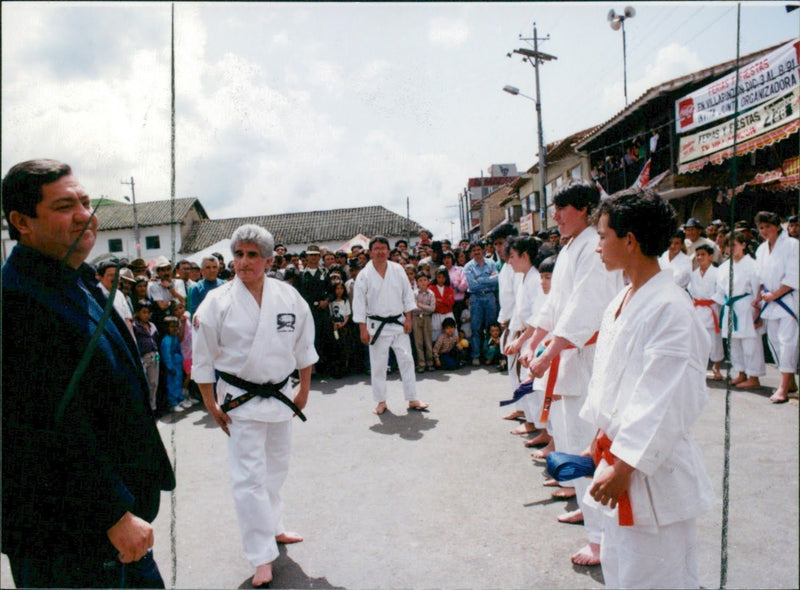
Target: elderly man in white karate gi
778	265
255	331
647	390
581	290
382	306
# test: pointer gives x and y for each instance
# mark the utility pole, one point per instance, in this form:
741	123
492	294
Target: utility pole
132	200
536	57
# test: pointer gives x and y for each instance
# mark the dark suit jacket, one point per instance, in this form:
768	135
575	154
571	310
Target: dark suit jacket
65	483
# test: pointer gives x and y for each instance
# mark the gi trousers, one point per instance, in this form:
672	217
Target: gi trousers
649	557
747	356
782	337
577	435
379	357
258	459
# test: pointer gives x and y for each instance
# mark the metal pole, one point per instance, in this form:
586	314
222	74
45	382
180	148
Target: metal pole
172	143
542	154
138	243
624	63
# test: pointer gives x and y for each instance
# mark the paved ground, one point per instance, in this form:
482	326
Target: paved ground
449	499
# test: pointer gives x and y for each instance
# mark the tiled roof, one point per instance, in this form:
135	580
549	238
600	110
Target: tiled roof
305	228
116	215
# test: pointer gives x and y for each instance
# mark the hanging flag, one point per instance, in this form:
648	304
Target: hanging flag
644	176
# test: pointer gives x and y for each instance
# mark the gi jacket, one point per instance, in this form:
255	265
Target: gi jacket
66	483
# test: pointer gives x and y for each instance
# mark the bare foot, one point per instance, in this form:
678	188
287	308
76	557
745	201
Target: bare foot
550	483
418	406
526	428
380	408
540	439
288	537
779	397
748	383
542	453
514	415
563	493
738	379
574	517
588	555
717	376
263	576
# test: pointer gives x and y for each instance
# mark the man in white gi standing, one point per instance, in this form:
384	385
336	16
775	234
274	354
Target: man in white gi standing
382	306
648	388
581	290
255	331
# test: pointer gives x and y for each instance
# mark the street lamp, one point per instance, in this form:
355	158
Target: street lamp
617	21
535	57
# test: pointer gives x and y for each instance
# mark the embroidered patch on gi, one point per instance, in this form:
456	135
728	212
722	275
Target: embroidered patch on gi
286	322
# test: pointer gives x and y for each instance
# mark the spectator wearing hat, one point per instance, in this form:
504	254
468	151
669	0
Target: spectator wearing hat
163	290
693	229
138	267
314	289
713	230
106	273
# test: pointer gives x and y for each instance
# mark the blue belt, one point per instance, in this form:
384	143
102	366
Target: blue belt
778	301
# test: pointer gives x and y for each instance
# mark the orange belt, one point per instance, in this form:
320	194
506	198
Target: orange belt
551	378
709	303
602	450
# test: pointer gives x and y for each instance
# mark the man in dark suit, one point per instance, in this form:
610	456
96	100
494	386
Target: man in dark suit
83	464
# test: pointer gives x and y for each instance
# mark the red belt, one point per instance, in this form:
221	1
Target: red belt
551	378
709	303
602	450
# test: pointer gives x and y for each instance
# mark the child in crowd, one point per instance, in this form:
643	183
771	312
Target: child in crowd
445	298
340	311
178	310
492	350
173	361
464	340
426	303
448	349
702	288
145	333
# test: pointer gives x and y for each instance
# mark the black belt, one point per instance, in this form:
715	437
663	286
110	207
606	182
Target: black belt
257	389
392	319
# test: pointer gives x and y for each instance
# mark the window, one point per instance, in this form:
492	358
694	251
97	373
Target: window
575	173
115	245
152	242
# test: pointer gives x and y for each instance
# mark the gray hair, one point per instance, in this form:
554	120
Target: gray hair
253	234
211	258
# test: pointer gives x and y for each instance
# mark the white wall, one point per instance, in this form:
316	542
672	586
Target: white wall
164	233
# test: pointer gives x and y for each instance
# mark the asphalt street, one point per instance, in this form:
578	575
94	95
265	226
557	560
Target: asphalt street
449	499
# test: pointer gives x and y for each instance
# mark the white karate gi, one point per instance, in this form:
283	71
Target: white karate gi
581	288
776	268
703	287
508	313
232	334
746	350
507	289
716	258
386	296
681	267
647	390
528	297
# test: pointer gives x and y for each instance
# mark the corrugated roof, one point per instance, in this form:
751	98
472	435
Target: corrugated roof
305	228
116	215
672	86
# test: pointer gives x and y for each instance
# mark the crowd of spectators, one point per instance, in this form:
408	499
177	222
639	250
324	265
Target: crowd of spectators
458	320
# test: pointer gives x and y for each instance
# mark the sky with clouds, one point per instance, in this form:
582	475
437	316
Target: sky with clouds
297	107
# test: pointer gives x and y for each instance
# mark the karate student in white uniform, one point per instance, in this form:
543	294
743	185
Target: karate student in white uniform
581	290
647	390
777	260
382	306
676	260
702	288
259	330
744	341
529	297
